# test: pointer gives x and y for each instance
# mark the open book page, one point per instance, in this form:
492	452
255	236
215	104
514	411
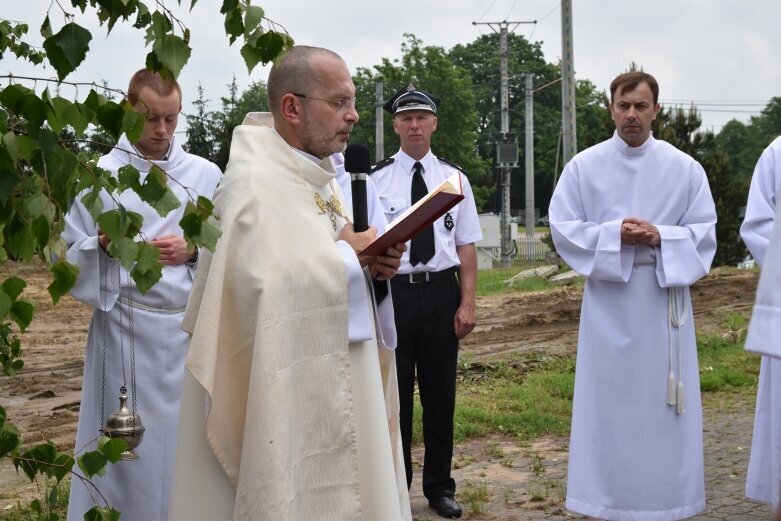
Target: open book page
451	185
423	213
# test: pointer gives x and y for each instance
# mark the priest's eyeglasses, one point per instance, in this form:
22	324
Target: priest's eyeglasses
342	105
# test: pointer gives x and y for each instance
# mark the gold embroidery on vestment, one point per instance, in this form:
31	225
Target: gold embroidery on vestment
332	207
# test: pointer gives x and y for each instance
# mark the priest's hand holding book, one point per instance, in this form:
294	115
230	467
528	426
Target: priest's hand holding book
382	266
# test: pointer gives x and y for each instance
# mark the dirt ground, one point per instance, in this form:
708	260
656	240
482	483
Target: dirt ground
43	400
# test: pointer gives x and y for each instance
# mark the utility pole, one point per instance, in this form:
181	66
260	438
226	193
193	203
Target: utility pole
529	156
569	141
507	145
379	143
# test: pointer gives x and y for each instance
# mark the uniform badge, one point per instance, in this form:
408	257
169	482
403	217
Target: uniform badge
448	221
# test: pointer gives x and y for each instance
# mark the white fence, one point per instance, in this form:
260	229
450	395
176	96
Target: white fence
531	249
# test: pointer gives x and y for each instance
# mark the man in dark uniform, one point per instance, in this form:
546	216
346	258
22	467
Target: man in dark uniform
433	292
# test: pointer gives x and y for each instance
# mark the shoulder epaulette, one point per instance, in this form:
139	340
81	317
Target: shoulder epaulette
452	164
382	164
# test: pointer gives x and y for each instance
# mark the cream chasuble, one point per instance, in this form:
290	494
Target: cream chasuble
296	417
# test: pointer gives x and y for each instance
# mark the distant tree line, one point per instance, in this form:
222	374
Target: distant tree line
467	79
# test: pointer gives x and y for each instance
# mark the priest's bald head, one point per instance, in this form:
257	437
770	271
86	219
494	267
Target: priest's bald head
312	99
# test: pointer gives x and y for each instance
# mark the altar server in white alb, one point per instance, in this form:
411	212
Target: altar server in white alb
138	489
763	482
635	216
283	414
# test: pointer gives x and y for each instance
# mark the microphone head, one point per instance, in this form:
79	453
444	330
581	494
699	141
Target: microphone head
356	159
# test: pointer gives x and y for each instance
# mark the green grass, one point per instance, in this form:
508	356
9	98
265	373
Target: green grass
490	282
524	398
22	510
724	364
475	497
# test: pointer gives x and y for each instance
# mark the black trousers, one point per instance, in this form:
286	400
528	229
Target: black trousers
428	346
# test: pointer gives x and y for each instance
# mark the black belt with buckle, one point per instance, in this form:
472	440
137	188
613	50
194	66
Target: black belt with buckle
424	276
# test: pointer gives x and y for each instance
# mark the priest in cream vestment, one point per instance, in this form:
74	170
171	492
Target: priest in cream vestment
283	414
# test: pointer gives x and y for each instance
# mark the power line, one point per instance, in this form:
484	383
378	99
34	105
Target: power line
731	102
486	11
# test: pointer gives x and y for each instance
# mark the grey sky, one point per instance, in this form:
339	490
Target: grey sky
712	52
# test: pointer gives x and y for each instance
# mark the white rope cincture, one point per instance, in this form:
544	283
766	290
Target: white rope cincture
677	314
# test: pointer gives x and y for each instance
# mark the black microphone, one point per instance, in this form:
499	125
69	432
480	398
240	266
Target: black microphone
357	163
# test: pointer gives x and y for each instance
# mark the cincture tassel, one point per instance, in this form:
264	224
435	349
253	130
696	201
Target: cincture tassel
677	313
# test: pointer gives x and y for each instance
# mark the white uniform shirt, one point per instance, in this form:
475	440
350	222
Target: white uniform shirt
394	184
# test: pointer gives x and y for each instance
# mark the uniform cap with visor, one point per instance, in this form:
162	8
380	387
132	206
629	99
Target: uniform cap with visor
411	98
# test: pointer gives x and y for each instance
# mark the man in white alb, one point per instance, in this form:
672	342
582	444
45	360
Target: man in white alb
138	489
763	481
635	216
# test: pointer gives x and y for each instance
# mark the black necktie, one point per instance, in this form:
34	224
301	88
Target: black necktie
422	248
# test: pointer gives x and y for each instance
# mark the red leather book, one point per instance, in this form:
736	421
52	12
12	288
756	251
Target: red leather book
430	208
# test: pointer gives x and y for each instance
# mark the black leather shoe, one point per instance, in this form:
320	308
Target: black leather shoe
446	506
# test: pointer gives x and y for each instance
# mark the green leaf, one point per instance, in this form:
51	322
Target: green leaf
67	49
129	177
11	147
12	97
22	313
93	203
234	25
124	250
134	222
91	463
46	28
172	52
9	178
94	101
52	499
41	230
148	257
101	514
13	287
252	17
228	5
78	116
63	463
143	17
39	205
159	27
113	448
33	109
251	56
209	235
21	243
10	439
110	116
26	146
146	279
36	460
132	122
153	63
65	275
5	304
270	45
111	224
157	194
57	116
